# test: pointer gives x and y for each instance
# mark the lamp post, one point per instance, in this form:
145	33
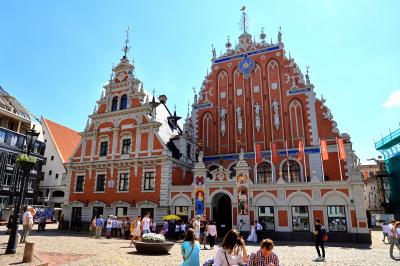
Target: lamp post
31	137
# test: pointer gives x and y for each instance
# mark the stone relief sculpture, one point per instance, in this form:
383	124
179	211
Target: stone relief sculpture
239	119
200	157
222	114
257	110
275	107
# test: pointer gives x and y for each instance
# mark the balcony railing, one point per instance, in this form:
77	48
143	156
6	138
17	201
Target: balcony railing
17	141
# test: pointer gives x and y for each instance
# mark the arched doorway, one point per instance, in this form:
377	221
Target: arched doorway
222	213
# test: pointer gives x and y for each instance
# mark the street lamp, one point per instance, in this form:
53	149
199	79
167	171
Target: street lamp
31	137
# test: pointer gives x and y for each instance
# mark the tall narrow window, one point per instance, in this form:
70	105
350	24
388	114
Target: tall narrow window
103	148
114	105
149	182
124	102
101	183
291	174
264	173
123	182
126	146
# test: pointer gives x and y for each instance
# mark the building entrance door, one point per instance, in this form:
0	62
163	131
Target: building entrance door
222	213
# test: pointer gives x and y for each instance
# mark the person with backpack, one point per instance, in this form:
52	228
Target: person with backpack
320	237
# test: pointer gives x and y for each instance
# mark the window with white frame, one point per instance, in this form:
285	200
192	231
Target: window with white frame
149	181
126	146
337	218
103	148
7	179
266	217
101	183
121	211
123	182
79	184
300	219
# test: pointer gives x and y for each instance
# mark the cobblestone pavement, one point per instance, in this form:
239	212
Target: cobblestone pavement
65	248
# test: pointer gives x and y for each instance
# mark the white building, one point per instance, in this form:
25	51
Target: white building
60	143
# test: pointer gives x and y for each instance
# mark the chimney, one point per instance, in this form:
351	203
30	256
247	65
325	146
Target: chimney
163	99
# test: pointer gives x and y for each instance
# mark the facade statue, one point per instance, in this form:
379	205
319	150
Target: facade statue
239	119
257	110
222	114
275	107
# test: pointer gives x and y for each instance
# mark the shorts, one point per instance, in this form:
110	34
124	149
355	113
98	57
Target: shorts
385	234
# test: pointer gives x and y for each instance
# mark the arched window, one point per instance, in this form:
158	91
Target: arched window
114	106
264	173
294	171
296	120
124	102
207	127
58	193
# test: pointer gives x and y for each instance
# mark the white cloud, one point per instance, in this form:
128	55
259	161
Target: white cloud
393	100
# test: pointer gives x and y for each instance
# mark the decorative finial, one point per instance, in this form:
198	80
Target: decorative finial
280	35
188	108
290	58
244	20
112	73
95	109
271	40
263	36
214	53
228	44
126	48
307	76
174	109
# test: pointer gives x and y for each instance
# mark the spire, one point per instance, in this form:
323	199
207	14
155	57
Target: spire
126	48
214	53
263	36
307	76
280	35
244	20
194	94
188	108
112	73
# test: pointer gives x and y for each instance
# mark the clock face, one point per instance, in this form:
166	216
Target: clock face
121	76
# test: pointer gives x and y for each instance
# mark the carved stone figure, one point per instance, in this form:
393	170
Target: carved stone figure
275	107
200	157
241	154
222	114
239	119
257	109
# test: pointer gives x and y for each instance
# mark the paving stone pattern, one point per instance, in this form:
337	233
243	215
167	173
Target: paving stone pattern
66	248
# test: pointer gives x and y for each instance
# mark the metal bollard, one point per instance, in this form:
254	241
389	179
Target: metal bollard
28	252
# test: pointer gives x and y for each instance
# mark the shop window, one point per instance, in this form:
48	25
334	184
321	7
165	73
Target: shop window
266	217
300	218
337	218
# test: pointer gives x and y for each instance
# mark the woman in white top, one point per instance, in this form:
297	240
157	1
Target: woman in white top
253	235
232	250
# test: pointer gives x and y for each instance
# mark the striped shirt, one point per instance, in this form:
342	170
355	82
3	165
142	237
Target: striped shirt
257	259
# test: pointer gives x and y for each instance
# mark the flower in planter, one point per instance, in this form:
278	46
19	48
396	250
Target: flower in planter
152	237
25	158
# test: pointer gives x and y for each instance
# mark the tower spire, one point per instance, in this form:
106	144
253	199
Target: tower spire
244	20
126	48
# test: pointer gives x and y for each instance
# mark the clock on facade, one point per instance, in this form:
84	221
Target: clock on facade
121	76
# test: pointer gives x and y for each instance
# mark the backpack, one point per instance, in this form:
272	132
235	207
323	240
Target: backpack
324	234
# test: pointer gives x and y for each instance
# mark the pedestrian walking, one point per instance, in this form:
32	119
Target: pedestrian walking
253	235
109	226
385	231
393	238
153	226
232	250
41	223
92	228
190	250
127	228
99	226
196	228
164	230
212	233
27	223
258	228
320	234
114	226
119	227
177	230
203	231
135	229
264	256
240	226
146	224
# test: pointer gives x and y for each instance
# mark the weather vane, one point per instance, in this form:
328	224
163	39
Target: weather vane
244	21
126	48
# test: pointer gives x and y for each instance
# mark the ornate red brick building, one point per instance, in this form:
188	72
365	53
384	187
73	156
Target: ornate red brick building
133	156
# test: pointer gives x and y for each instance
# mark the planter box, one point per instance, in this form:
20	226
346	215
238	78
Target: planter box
153	248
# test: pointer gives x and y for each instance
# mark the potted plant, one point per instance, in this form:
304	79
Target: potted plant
26	162
152	243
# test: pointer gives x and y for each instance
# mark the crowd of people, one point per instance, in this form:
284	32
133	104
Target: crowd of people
391	231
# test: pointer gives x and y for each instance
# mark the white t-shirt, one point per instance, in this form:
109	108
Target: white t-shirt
27	219
390	232
196	226
258	227
385	228
221	260
146	223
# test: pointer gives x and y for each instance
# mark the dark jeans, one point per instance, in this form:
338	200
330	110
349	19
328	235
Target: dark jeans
258	233
114	232
211	240
320	243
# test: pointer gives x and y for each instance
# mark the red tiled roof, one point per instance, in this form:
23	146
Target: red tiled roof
64	138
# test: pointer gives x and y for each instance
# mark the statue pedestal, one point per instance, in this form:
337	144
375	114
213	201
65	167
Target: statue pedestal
242	184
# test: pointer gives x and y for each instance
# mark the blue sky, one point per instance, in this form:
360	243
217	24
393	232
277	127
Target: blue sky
55	56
